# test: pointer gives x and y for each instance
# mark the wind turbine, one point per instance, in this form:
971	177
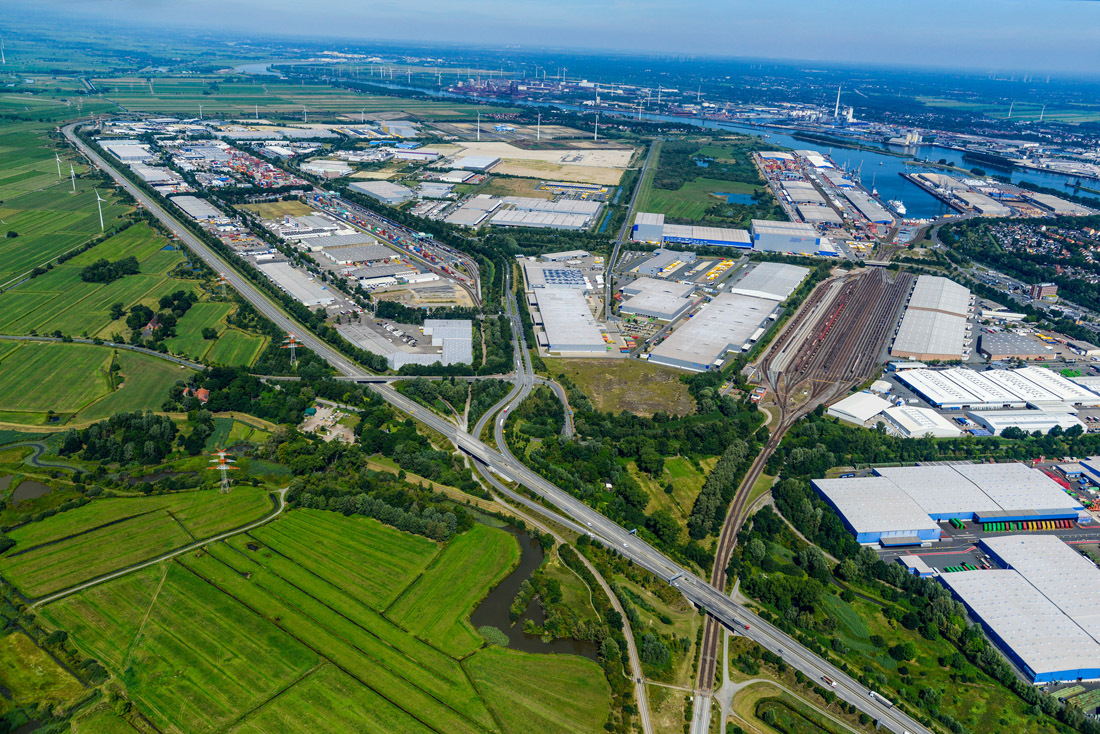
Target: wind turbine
538	128
99	205
3	58
479	126
305	114
72	175
58	159
200	112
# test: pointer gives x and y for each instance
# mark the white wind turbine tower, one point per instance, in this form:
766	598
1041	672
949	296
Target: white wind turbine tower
3	58
58	159
200	112
72	176
99	205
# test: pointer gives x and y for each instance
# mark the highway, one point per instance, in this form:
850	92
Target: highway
608	279
695	589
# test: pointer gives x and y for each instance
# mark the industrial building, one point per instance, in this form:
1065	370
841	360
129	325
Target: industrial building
774	281
567	321
868	207
357	254
553	257
935	325
650	227
552	275
958	388
996	421
790	237
198	209
1055	205
1010	345
1041	608
726	323
1043	290
128	151
858	408
542	220
435	190
297	284
1085	349
665	262
657	299
803	192
326	168
902	504
380	275
454	337
562	206
386	192
909	421
475	162
474	211
815	214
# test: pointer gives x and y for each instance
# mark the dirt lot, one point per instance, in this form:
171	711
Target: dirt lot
614	385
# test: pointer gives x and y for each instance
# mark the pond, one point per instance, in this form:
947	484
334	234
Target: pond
5	482
493	610
30	490
745	199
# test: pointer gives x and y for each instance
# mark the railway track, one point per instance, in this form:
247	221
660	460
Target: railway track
832	344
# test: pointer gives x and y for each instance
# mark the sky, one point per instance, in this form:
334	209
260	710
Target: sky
989	35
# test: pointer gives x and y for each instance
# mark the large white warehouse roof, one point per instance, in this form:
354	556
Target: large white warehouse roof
775	281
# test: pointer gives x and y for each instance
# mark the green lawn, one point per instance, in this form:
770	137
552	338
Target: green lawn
437	606
188	340
278	630
236	348
692	199
105	535
31	676
73	381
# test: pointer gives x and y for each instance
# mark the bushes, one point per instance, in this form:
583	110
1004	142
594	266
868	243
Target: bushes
124	438
709	511
105	271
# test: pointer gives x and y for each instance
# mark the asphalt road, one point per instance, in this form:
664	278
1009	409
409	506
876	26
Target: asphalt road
608	279
697	590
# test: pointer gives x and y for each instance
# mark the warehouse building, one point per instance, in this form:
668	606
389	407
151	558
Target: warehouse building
375	276
297	284
803	192
791	237
858	408
774	281
1085	349
1062	388
875	510
1043	607
996	421
128	151
665	262
649	227
479	163
726	323
453	337
198	209
657	299
563	206
1010	345
1055	205
901	504
540	220
815	214
935	325
567	321
868	207
909	421
357	253
386	192
957	388
551	275
564	256
474	211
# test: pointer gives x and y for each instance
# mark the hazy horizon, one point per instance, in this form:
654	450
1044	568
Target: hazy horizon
1006	36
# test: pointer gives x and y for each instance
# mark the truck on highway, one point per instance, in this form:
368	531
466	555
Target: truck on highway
829	681
881	699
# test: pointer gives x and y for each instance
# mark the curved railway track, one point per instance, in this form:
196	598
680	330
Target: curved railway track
831	344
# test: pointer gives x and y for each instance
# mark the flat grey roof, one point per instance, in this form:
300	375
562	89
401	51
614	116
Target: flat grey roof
1017	487
1036	630
930	333
1068	579
649	218
1007	343
568	321
296	283
775	281
356	253
875	505
563	206
818	214
935	293
797	229
660	299
939	490
725	323
197	208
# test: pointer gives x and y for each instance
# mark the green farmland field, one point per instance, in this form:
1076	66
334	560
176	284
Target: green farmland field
72	380
235	347
106	535
295	605
436	608
188	340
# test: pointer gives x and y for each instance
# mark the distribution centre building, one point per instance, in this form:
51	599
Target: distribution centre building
651	227
664	260
909	421
297	283
657	299
1009	345
858	408
996	421
386	192
567	321
874	509
726	323
1042	609
935	323
792	237
774	281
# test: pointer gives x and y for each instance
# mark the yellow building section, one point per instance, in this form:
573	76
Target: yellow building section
718	269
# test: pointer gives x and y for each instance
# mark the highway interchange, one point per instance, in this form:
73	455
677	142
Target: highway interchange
582	518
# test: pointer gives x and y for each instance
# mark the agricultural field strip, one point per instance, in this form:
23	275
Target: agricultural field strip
437	606
270	597
417	662
326	698
392	559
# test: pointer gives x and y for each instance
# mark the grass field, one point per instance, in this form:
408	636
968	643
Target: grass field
614	385
692	199
235	347
304	647
686	482
73	381
106	535
525	703
31	675
437	606
501	186
39	205
278	209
